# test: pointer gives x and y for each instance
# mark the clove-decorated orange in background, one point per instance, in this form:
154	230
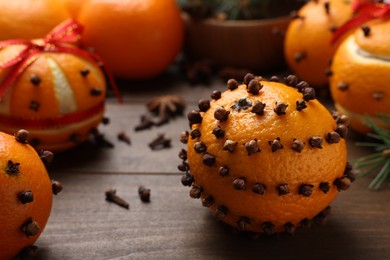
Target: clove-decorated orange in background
25	194
55	89
265	157
308	48
361	74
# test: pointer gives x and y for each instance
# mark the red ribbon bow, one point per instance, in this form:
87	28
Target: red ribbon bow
365	10
58	40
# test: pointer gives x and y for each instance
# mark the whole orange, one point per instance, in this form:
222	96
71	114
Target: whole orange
361	74
265	161
59	98
307	45
137	38
25	196
26	19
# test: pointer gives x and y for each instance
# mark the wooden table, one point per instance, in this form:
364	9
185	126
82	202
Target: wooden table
83	225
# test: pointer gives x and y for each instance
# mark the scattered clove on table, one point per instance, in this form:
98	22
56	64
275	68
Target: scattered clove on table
146	123
122	136
144	194
160	142
112	197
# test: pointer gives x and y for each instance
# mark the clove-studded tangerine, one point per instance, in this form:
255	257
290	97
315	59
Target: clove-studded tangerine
269	172
25	194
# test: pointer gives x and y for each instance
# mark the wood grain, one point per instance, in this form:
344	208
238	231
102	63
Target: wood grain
174	226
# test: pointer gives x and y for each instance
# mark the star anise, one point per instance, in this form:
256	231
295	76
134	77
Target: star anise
166	107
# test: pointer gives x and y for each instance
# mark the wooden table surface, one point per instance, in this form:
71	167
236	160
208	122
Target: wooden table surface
83	225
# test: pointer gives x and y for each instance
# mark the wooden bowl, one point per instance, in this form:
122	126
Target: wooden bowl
251	44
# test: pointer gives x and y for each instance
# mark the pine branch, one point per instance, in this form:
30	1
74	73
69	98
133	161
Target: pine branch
379	162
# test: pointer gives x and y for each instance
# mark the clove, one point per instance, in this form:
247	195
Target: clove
112	197
144	194
146	123
160	142
124	138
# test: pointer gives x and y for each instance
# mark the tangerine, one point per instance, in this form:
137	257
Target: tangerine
307	45
137	38
359	84
265	158
25	194
27	19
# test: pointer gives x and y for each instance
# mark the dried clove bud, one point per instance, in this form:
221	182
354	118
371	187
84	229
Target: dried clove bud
35	79
308	94
184	137
195	191
301	105
183	154
30	228
95	92
252	147
333	28
26	197
112	197
254	87
22	136
187	179
378	96
223	171
306	190
183	167
248	77
258	108
84	72
283	189
124	138
297	145
56	187
243	223
315	142
160	142
366	30
221	212
207	201
342	130
275	144
328	72
105	120
327	7
46	157
342	86
28	253
200	147
280	108
12	168
343	119
204	105
259	188
208	159
305	223
195	133
302	85
343	183
232	84
218	132
194	117
144	194
216	95
325	187
275	79
239	184
221	114
242	103
291	80
229	146
289	228
268	228
332	137
294	15
300	56
146	123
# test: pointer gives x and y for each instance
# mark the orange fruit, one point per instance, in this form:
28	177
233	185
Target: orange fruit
25	195
265	161
25	19
307	45
361	73
137	38
73	6
59	98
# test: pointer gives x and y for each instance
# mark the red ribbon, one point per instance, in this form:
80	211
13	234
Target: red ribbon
59	40
365	10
